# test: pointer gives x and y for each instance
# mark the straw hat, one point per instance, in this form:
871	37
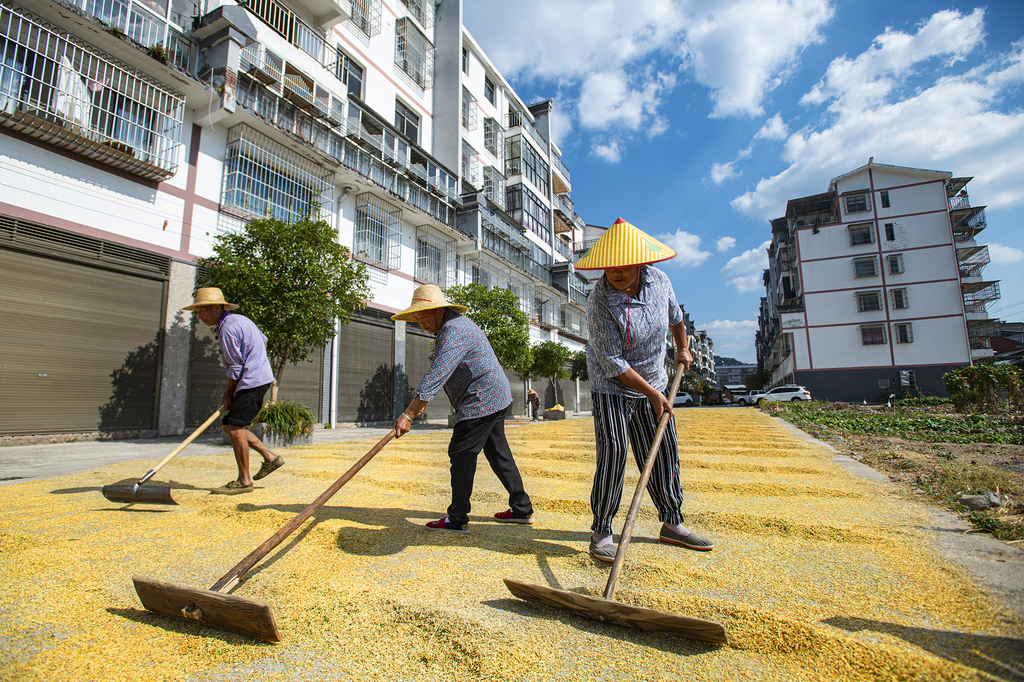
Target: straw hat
210	296
622	246
426	297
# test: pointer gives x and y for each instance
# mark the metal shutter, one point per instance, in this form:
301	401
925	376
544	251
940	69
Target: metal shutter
206	377
417	359
302	382
365	373
80	346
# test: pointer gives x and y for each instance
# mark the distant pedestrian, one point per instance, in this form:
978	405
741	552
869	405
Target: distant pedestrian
630	312
465	365
534	399
243	353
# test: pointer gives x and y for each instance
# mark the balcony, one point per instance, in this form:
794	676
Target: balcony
146	29
563	213
327	13
260	63
517	119
967	221
62	91
574	321
285	22
560	179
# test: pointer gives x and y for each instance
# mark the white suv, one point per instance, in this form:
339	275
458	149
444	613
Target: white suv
751	398
790	392
683	399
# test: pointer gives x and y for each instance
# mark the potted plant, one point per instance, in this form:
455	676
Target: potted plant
284	423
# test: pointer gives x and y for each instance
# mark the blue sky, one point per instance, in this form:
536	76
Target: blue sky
697	120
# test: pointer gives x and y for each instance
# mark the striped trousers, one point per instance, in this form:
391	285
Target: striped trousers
621	423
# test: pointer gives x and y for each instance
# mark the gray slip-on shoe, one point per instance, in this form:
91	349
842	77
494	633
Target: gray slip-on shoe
605	553
691	541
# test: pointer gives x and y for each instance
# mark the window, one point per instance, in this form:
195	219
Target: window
349	73
407	122
435	257
494	138
468	110
890	232
895	263
465	61
378	231
522	159
857	203
865	267
524	206
366	16
861	234
414	54
489	91
885	199
494	186
873	335
868	301
905	333
899	299
423	10
470	165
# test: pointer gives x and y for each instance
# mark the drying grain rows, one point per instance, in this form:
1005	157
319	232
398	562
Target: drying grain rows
817	574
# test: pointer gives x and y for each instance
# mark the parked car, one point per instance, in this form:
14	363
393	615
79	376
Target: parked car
789	392
683	399
714	398
750	398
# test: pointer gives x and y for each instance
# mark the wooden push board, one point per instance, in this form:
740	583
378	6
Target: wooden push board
618	613
212	609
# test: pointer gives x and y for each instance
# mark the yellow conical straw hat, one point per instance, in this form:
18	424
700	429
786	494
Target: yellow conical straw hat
622	246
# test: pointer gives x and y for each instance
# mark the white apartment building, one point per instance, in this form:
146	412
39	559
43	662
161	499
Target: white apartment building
875	287
132	132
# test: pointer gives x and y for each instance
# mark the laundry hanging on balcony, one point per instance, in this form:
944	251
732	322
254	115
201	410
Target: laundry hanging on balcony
71	99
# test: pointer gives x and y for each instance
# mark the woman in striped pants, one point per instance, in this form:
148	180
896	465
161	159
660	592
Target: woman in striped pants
630	313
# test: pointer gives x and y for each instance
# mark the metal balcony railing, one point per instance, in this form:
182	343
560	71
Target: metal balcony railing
146	29
62	91
562	167
278	17
517	119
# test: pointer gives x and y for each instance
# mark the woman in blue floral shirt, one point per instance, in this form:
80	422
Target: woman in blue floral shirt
630	313
465	365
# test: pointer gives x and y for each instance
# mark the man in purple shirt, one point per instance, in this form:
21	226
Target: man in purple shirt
243	353
465	365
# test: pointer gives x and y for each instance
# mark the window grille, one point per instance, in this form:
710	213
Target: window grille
378	231
523	159
494	186
547	308
527	209
857	203
899	299
469	112
522	289
861	234
264	178
423	10
62	91
413	53
574	321
895	262
494	139
470	165
868	301
146	29
873	335
905	333
865	267
366	16
890	232
435	257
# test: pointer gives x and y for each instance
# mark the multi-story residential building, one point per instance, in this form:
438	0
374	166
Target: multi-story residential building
132	132
875	287
703	350
733	375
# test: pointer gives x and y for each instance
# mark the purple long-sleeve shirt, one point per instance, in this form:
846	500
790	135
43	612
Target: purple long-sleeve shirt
465	364
243	351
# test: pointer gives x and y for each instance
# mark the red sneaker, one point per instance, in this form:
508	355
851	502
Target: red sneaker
508	517
445	524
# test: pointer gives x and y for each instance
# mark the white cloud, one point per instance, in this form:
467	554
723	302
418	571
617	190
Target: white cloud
720	172
612	99
687	246
733	338
725	243
774	129
951	122
745	271
1004	255
609	151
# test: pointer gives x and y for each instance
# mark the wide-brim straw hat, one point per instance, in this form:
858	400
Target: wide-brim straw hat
426	297
622	246
210	296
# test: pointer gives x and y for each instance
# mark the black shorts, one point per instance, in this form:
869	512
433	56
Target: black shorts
245	405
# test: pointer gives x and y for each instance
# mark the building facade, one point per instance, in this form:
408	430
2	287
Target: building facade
132	132
875	287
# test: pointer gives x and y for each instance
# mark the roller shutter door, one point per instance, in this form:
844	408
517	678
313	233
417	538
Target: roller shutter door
366	373
80	346
417	358
303	382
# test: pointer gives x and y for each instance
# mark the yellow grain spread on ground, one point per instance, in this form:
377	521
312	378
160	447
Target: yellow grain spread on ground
817	574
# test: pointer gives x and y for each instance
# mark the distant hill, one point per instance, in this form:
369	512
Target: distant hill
719	360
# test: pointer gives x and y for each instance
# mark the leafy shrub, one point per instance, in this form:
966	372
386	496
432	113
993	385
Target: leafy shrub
286	419
978	387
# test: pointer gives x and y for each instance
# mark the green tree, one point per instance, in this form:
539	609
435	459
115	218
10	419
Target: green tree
550	360
978	387
579	366
758	380
292	279
496	311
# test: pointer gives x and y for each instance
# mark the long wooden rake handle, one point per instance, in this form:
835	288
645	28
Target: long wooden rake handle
634	507
240	569
168	458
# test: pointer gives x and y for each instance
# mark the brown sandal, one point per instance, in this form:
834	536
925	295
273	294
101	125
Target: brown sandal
268	468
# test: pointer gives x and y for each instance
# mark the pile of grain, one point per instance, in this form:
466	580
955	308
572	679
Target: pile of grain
817	575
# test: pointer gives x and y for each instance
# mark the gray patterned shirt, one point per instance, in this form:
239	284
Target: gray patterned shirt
610	351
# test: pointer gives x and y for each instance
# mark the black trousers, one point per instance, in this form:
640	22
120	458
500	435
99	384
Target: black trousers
468	438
